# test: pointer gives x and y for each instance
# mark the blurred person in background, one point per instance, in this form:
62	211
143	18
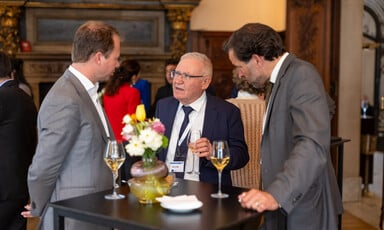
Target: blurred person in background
18	76
142	85
119	99
245	90
165	90
18	139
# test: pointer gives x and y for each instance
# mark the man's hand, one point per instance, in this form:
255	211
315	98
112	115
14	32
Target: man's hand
27	214
258	200
204	148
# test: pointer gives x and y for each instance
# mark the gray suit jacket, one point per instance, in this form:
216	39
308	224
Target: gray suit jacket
296	164
69	157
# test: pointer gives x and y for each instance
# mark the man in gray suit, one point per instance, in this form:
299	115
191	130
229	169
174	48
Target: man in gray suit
299	184
72	129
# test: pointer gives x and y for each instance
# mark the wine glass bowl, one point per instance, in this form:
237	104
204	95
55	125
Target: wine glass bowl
220	159
114	157
194	135
364	107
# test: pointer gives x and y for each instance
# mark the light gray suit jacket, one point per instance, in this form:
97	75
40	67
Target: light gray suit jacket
69	156
296	164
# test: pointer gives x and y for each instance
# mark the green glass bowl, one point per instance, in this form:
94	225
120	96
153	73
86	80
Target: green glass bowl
147	189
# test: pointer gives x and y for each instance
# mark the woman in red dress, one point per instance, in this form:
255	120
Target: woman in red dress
119	97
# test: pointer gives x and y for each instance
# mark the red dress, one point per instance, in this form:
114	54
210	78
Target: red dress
117	106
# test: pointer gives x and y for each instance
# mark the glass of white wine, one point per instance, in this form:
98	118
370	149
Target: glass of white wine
220	159
114	157
194	135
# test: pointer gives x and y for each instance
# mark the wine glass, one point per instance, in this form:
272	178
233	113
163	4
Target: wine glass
364	107
114	157
194	135
220	158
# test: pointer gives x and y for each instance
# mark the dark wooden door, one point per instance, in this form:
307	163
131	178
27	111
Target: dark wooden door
210	43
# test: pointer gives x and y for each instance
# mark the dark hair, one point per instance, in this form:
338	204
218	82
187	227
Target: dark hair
17	69
171	62
255	38
92	37
5	65
123	74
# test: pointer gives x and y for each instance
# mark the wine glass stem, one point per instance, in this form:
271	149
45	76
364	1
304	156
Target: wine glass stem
193	162
115	175
219	182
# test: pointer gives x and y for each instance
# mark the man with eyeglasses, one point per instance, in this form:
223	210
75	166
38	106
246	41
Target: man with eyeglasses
214	117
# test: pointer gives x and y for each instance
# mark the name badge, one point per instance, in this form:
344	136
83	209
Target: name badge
176	166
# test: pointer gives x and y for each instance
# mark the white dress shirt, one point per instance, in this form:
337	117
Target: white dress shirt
196	118
272	79
92	91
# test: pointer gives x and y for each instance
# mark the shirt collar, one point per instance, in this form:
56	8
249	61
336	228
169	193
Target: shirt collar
88	85
2	83
196	105
277	67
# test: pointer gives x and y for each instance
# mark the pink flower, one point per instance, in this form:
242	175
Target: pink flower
158	126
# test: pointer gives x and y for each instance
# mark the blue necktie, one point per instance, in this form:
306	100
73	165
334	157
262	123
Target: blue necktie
182	149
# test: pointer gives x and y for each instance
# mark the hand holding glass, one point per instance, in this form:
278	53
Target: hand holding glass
194	135
114	157
220	159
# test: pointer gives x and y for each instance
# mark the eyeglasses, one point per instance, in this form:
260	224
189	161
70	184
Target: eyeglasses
175	73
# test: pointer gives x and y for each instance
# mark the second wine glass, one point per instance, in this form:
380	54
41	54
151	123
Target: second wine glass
114	157
220	159
194	135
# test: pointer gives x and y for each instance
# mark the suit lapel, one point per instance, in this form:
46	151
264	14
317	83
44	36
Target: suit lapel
210	117
167	118
288	60
84	96
170	116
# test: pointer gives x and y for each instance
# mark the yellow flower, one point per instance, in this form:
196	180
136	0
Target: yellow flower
140	112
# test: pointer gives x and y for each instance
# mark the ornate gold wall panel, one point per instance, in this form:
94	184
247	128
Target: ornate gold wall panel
9	29
50	25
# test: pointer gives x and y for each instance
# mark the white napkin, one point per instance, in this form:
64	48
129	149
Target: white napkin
182	203
178	199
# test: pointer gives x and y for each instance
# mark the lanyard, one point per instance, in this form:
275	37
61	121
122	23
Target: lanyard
186	131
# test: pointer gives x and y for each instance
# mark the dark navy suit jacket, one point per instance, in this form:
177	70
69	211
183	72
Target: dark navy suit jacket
222	121
18	119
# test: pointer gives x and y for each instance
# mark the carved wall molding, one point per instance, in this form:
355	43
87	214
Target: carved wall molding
179	17
9	29
307	14
41	68
49	58
313	34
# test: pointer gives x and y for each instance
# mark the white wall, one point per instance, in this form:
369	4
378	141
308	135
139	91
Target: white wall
350	94
229	15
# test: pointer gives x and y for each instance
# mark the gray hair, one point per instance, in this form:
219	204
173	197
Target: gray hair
208	68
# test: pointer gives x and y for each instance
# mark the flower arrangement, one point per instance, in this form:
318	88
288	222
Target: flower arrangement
145	136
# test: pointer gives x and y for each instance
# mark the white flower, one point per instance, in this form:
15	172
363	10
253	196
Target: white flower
151	138
135	147
127	119
128	131
145	137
